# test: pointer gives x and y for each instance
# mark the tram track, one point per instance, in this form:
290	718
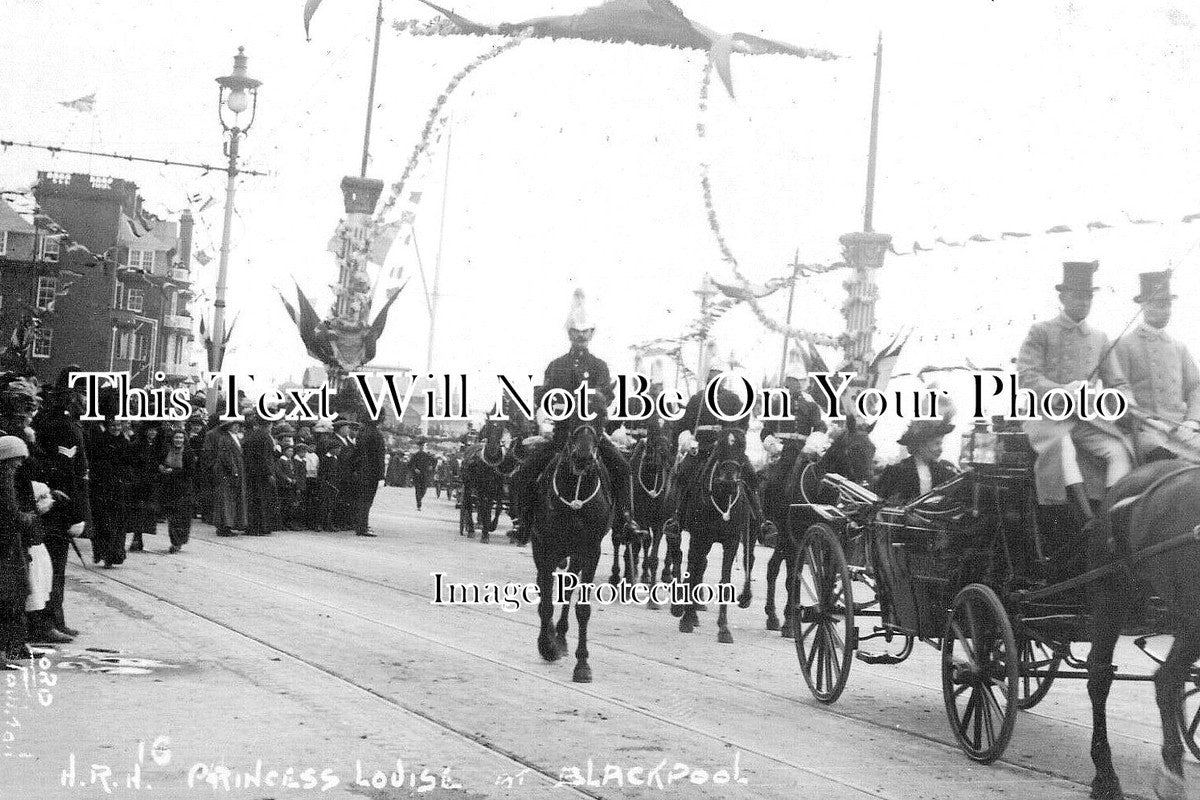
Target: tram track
831	711
757	645
472	739
528	673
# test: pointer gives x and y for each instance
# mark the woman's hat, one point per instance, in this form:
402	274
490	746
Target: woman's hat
922	430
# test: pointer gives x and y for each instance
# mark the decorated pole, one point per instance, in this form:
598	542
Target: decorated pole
705	293
796	265
864	252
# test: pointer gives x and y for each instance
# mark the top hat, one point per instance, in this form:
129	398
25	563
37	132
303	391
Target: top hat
796	365
1077	276
1155	286
922	430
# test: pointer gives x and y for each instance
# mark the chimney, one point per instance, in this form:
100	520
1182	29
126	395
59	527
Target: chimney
185	239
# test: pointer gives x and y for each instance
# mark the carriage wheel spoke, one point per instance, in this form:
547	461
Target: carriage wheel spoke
965	721
1194	724
965	642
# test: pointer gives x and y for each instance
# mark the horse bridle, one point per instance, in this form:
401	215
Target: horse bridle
660	474
727	511
575	504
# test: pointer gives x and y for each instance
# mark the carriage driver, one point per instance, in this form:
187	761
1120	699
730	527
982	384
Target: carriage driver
1065	353
568	372
787	437
1162	373
696	433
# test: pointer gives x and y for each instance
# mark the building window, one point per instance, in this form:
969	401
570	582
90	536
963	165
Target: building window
178	359
43	339
134	300
125	345
142	342
142	259
49	251
3	243
46	289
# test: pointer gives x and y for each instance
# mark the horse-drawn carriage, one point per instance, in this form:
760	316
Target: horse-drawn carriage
976	569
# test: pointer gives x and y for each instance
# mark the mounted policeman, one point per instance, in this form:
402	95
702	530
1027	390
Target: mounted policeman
696	434
577	367
786	438
1162	374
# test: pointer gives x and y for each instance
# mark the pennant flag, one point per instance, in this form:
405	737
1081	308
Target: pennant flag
1014	235
1095	226
310	8
85	104
649	22
880	371
381	243
307	323
376	329
1190	218
414	197
290	309
335	244
1059	229
815	362
208	203
204	258
408	217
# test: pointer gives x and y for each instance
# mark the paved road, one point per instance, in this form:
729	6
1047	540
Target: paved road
321	654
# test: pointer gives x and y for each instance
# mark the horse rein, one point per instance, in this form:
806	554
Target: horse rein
660	474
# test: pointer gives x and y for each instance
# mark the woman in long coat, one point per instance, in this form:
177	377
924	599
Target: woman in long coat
229	479
146	456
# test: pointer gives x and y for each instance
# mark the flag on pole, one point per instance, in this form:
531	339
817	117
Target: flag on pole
382	241
85	104
310	8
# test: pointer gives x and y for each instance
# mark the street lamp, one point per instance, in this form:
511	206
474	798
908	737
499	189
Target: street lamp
237	93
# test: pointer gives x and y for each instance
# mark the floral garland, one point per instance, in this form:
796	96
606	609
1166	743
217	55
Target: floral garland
435	120
745	290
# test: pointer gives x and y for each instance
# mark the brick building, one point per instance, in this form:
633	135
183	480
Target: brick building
109	284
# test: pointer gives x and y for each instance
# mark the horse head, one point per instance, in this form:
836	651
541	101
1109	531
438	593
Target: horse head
493	441
582	447
851	455
657	450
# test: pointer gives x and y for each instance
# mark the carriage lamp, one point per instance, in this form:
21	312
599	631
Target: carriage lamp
978	446
237	92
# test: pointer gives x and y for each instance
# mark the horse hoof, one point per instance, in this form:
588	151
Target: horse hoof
772	622
1169	786
787	630
676	610
724	636
687	623
614	580
744	600
484	539
583	674
560	644
470	534
701	607
1107	789
653	606
548	649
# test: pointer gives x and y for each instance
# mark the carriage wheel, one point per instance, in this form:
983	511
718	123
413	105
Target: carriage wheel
826	636
1035	655
1189	717
980	670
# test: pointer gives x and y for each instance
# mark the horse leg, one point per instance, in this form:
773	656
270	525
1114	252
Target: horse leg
1108	615
1168	691
469	504
746	596
615	576
650	556
545	578
583	613
729	548
630	576
788	629
772	574
698	547
560	630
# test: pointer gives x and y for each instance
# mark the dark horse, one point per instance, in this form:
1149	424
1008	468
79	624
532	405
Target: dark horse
650	466
570	522
1169	505
484	471
717	509
850	455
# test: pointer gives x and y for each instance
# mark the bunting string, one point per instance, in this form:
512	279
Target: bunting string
743	290
433	124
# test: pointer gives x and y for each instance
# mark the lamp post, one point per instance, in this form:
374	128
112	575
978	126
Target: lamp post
237	92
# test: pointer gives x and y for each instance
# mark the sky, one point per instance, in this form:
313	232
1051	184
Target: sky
573	164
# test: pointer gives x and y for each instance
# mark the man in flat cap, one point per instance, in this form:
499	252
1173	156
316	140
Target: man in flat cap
1066	353
1162	373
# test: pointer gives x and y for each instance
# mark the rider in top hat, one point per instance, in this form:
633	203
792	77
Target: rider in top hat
697	431
1162	374
1066	353
567	372
924	467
